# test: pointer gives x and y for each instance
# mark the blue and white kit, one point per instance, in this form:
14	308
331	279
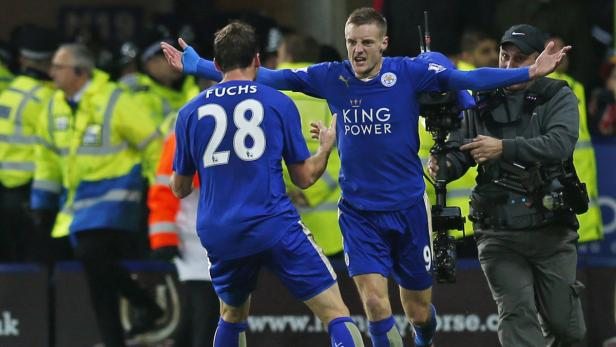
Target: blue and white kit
234	136
381	173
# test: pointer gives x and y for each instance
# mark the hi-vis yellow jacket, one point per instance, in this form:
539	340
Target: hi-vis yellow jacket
6	77
92	159
319	206
591	227
160	101
20	106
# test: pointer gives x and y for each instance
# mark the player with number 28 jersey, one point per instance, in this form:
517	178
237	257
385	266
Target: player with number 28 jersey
237	132
235	135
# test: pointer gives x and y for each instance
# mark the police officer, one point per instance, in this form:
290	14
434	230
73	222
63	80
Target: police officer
519	137
98	142
159	89
20	106
127	69
6	76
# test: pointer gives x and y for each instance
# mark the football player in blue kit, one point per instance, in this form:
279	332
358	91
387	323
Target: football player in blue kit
234	136
384	214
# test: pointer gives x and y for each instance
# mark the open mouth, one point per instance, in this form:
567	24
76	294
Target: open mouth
359	60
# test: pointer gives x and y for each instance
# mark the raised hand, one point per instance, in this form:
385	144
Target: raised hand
548	60
173	56
326	136
185	62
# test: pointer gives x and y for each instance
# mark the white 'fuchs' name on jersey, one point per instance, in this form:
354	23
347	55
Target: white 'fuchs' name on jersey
233	90
366	121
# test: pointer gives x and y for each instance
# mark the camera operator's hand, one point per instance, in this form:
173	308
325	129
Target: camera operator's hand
433	166
484	148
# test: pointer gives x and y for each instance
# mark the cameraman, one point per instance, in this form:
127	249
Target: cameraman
527	252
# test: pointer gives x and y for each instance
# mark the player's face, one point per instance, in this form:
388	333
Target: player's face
365	45
510	58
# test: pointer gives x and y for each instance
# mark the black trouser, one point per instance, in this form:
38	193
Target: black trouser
19	239
100	251
200	313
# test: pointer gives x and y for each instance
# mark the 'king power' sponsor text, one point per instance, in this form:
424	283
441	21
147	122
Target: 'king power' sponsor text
369	121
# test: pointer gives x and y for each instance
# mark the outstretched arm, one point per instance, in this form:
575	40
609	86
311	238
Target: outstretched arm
490	78
189	62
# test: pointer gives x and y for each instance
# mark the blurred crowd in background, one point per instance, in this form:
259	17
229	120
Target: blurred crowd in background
118	36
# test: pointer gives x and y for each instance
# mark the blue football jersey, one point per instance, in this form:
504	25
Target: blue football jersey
377	127
234	135
377	119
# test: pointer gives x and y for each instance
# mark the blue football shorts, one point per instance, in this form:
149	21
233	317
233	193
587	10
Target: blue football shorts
296	260
393	243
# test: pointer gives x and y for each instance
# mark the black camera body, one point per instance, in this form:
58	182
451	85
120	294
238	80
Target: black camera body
440	111
572	196
441	114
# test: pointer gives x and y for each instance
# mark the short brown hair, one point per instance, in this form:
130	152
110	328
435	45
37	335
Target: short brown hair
235	46
368	15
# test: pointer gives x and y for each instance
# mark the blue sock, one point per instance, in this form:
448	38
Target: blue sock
424	334
230	334
344	333
384	333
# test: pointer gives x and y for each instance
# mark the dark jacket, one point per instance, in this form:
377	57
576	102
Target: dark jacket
544	132
547	135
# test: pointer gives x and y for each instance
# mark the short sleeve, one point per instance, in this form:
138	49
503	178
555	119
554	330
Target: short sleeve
183	163
294	148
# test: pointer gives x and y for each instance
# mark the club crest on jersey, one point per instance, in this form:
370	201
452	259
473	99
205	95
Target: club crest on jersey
355	103
388	79
436	67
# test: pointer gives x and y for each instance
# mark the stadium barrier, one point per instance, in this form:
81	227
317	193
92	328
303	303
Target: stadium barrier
466	313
